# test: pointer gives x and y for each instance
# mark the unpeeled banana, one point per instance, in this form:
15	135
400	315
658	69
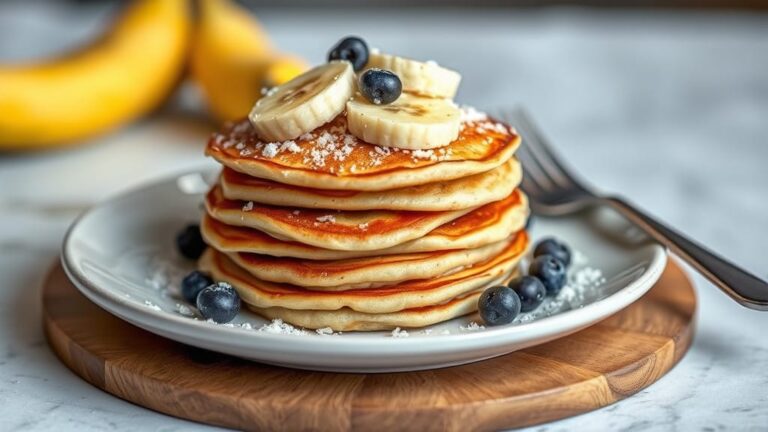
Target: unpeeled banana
232	59
117	79
304	103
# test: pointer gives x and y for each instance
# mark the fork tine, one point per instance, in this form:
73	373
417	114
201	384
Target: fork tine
534	176
530	187
542	152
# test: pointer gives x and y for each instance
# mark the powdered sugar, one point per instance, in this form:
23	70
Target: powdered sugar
220	286
152	306
480	122
423	154
399	333
289	146
471	327
582	280
326	218
470	114
277	326
331	146
270	150
434	155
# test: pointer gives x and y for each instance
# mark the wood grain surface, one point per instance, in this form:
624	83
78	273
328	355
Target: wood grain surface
579	373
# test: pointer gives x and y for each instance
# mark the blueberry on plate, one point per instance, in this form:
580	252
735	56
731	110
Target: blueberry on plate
190	242
380	86
352	49
498	305
218	302
530	290
550	271
551	246
192	284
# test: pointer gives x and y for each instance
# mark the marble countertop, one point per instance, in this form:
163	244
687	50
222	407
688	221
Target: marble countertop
670	109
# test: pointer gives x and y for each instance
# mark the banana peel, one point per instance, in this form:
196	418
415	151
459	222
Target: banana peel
115	80
232	59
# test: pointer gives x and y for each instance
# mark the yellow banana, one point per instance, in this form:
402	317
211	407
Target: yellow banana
232	59
283	68
107	84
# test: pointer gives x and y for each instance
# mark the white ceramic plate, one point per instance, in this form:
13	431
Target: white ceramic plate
121	255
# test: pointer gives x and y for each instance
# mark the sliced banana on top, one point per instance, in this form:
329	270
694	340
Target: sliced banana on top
411	122
424	78
306	102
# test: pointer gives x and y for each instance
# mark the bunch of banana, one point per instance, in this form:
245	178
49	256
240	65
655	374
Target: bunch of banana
422	117
134	67
86	93
232	59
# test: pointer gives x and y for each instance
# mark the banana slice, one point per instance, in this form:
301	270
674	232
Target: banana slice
411	122
304	103
424	78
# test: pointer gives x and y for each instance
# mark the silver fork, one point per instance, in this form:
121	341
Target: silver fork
554	191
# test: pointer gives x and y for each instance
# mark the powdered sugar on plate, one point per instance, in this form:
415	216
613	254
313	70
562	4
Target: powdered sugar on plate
582	279
277	326
152	306
399	333
471	327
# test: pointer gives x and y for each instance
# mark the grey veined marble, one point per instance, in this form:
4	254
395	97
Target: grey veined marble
670	109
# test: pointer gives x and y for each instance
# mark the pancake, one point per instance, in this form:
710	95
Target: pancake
349	230
331	158
363	272
346	319
472	191
406	295
488	224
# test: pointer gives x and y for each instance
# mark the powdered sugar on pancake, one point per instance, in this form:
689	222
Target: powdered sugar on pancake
332	149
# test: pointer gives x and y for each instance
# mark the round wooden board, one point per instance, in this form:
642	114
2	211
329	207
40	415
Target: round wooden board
576	374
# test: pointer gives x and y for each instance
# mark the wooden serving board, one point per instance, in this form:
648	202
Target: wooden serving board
579	373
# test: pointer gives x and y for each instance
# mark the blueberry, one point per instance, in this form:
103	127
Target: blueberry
550	271
498	305
558	249
352	49
218	302
530	290
192	284
380	86
190	242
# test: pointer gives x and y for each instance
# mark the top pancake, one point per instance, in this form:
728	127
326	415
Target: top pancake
331	158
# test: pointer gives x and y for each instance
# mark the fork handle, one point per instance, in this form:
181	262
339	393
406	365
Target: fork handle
744	287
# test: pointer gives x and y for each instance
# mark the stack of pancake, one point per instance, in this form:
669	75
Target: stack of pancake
330	231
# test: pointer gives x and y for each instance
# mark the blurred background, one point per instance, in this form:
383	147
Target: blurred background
665	102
